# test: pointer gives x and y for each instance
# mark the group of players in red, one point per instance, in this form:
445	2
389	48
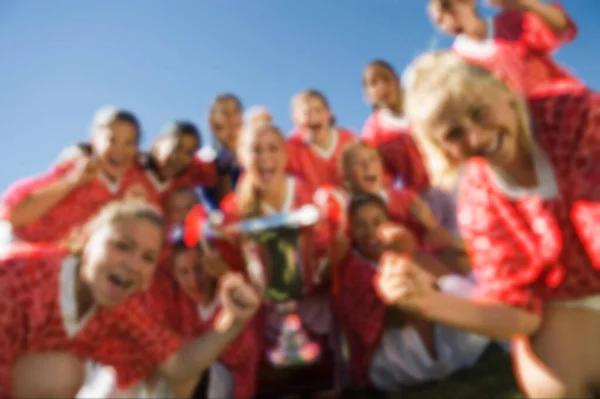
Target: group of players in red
466	215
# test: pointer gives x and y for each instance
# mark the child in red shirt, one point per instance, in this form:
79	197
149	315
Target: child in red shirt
515	44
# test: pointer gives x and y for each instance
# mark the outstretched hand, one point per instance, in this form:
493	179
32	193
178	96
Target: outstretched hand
401	282
397	238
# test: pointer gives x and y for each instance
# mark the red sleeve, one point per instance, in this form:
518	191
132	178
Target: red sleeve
402	158
370	131
503	271
147	343
230	251
293	166
21	189
200	173
537	35
361	314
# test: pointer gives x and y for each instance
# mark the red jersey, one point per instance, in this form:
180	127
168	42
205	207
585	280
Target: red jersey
360	312
190	319
381	126
74	210
543	245
314	239
156	191
39	313
518	50
313	165
402	160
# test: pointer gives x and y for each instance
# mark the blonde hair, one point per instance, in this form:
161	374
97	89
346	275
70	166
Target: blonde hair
436	79
248	198
112	214
347	161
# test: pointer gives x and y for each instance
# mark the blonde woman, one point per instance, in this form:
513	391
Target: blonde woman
59	307
528	208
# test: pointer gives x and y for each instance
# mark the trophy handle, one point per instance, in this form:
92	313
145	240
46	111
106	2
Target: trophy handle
254	264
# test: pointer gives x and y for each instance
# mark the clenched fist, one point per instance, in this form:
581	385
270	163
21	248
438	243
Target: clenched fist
401	282
239	301
397	238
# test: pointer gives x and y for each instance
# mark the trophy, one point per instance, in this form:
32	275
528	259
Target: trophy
274	264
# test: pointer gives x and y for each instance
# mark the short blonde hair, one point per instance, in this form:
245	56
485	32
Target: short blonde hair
111	214
436	79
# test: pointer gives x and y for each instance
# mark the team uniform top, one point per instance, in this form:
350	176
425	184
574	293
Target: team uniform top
191	319
518	50
39	313
382	125
156	191
541	244
317	167
71	212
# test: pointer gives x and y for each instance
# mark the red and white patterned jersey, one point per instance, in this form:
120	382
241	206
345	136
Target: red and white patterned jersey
39	313
544	245
190	319
146	184
73	211
518	50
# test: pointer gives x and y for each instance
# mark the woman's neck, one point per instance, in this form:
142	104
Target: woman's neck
522	171
276	193
323	138
478	30
83	294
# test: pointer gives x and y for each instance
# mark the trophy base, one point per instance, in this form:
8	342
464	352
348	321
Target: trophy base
294	349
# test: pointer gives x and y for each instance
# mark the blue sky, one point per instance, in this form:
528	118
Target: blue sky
60	60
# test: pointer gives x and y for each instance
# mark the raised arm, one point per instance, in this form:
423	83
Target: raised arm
30	199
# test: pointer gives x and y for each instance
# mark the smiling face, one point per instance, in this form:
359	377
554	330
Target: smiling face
382	87
116	146
226	120
174	153
119	259
365	221
312	113
482	123
365	170
263	156
191	277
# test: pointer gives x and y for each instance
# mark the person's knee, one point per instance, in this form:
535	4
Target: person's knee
49	375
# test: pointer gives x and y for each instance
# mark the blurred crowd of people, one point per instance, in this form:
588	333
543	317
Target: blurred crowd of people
463	215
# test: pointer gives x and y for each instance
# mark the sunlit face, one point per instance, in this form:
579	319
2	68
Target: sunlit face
174	154
382	87
453	17
312	114
116	146
190	276
365	221
483	123
265	158
366	171
226	122
119	260
179	204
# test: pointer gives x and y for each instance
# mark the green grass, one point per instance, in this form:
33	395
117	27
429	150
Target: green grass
491	378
